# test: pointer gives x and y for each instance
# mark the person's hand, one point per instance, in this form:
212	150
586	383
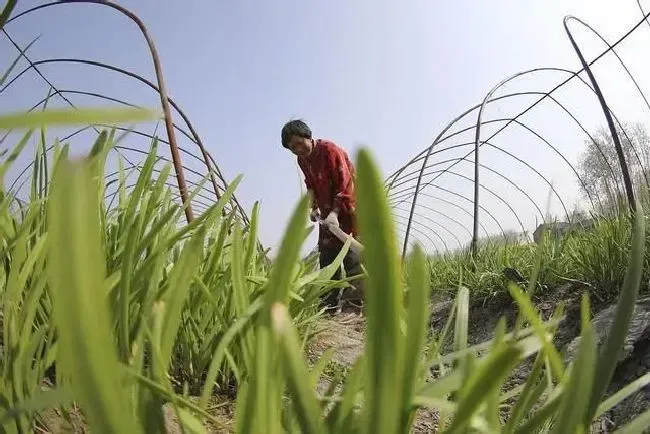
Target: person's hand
332	220
314	215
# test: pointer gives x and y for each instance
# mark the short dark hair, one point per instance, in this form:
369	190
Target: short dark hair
295	127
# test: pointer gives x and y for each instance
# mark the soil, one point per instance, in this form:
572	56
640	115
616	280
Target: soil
345	332
485	314
54	421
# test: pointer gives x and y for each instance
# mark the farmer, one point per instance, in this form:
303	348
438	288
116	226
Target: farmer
329	178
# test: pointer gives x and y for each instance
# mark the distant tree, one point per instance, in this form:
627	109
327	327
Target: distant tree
600	170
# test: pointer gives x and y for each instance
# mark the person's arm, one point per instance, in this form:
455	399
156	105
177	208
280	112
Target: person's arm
343	181
310	191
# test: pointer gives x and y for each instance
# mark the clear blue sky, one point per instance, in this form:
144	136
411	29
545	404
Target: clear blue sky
387	75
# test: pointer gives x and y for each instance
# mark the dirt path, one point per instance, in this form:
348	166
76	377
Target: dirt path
346	334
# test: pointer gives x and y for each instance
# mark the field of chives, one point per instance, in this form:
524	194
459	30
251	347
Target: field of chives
124	319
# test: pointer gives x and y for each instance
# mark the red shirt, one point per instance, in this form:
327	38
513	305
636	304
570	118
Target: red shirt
329	174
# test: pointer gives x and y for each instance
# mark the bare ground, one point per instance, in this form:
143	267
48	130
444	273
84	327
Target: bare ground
346	334
55	421
485	314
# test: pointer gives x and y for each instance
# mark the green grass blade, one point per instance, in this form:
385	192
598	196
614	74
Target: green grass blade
529	395
638	425
53	117
319	367
492	399
325	273
340	416
308	411
610	353
481	382
6	12
574	405
384	341
265	395
76	271
173	300
240	290
462	319
219	353
42	401
622	394
528	310
543	415
251	248
216	208
179	400
277	288
419	293
6	74
11	158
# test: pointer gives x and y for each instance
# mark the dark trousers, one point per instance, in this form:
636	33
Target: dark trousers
352	266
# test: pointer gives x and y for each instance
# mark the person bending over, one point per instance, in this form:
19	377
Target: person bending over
329	178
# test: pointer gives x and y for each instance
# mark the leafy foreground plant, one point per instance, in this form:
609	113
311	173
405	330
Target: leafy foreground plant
127	306
389	381
117	308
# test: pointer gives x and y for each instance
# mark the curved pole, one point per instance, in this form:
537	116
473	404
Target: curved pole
499	174
497	196
572	76
593	140
455	205
501	199
208	159
167	184
176	158
130	130
417	188
441	214
629	74
460	196
585	65
117	148
40	74
416	230
496	173
433	222
400	229
138	133
601	99
645	17
477	140
126	103
428	153
435	233
568	112
458	159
